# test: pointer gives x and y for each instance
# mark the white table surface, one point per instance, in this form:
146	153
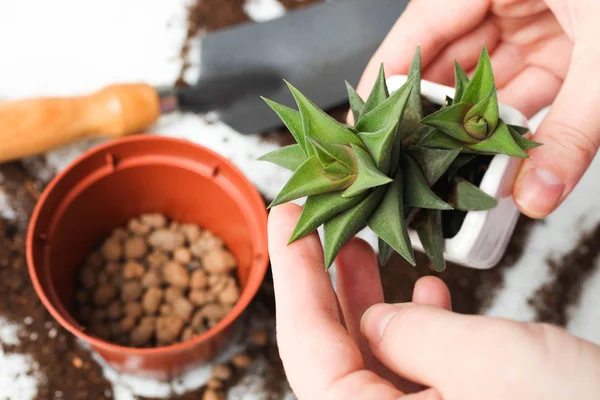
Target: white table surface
69	47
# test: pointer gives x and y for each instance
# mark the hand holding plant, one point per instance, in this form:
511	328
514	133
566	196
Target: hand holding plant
543	52
329	353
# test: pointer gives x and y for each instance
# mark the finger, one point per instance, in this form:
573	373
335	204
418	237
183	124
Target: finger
476	357
570	133
425	23
315	348
465	51
430	290
358	287
530	91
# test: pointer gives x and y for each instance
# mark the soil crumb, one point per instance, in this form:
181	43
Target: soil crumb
554	300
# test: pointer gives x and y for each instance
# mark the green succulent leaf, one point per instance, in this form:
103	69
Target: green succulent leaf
341	228
292	120
486	109
318	125
309	180
290	157
413	112
387	113
330	152
379	144
368	175
500	142
384	251
356	103
482	81
521	130
458	163
450	120
321	208
417	192
523	142
436	139
433	162
461	80
378	94
465	196
428	224
388	221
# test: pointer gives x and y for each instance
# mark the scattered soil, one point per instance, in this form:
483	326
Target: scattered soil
155	282
554	300
471	289
70	371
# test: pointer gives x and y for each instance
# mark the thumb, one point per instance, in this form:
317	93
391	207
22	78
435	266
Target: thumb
473	357
570	134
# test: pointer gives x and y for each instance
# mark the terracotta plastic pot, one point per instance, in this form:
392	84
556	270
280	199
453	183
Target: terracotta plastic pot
122	179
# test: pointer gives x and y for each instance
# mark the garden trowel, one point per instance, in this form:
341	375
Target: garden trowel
315	48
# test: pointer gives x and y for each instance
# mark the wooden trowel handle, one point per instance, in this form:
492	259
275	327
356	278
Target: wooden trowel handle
34	126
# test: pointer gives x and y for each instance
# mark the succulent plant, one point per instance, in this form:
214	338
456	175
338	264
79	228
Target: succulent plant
396	167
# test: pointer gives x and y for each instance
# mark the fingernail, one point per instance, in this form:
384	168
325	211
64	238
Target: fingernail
538	192
375	320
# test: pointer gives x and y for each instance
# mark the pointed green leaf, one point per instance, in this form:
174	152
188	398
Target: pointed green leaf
309	180
417	192
341	228
438	140
521	130
290	157
388	221
368	175
523	142
465	196
356	103
458	163
500	142
419	135
488	109
482	81
292	120
384	251
433	162
378	94
329	152
379	144
387	113
413	113
428	224
450	120
461	80
321	208
318	125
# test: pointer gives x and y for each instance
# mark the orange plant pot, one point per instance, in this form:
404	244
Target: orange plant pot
122	179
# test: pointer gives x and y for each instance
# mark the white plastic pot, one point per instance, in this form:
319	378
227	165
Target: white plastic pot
484	235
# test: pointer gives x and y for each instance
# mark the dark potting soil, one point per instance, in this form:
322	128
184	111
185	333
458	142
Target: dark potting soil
554	300
69	371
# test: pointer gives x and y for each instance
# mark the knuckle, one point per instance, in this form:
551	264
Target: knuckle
577	143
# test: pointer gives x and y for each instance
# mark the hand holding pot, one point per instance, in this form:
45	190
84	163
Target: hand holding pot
329	353
543	52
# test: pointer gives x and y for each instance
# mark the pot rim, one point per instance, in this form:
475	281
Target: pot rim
256	203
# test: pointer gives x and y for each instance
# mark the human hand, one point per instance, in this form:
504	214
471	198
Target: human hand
329	354
541	51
